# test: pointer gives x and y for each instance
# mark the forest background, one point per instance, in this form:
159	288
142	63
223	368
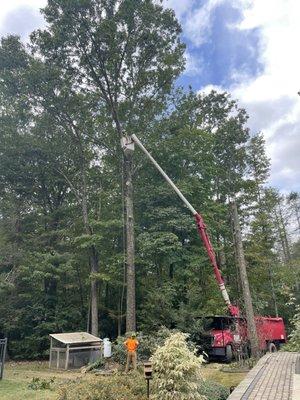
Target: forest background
74	210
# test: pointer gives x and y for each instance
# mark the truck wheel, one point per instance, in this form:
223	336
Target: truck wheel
229	353
272	348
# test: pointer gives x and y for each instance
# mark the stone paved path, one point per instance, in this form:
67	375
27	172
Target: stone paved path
273	378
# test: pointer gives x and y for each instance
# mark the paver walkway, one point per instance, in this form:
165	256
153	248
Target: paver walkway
275	377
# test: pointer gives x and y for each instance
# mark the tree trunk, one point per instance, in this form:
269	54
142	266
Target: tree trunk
273	291
284	234
127	166
244	282
130	275
94	265
282	241
94	294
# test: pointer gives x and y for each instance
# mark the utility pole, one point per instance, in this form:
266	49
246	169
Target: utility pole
244	282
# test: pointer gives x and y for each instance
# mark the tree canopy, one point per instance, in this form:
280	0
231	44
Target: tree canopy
99	70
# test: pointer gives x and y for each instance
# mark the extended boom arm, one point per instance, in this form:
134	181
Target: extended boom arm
127	145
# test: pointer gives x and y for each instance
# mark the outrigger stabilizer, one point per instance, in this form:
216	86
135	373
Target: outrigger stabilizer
127	144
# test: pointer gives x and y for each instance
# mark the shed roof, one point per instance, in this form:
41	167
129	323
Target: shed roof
75	337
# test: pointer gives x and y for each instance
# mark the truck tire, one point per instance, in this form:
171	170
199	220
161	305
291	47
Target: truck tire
229	353
272	347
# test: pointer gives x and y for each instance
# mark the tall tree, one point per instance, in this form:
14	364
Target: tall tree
245	282
261	239
294	202
60	115
227	122
127	52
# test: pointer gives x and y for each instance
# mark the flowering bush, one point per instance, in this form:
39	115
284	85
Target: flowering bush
176	371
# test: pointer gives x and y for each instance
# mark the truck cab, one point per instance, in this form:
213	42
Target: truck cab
225	337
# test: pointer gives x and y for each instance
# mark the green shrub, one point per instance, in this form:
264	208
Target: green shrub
147	345
294	338
176	370
116	387
118	350
41	384
213	390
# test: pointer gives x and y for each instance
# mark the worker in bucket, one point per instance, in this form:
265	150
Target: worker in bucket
131	345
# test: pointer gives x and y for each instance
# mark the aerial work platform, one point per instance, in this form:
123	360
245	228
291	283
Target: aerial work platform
275	377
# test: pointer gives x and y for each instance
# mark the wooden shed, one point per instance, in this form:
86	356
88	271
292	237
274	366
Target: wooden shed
73	350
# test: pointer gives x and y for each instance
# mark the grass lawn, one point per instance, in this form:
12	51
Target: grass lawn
18	375
213	372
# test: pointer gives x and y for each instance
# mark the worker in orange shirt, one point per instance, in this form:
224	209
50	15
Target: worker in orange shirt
131	345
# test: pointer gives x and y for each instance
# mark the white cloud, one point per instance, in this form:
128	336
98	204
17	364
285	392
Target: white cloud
193	66
208	88
195	20
271	98
20	16
198	22
180	7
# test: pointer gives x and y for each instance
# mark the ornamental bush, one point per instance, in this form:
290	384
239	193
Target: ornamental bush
176	371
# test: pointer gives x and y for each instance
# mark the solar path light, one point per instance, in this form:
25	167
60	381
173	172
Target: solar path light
148	375
3	344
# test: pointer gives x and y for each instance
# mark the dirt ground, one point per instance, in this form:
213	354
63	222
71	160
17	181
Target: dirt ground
18	375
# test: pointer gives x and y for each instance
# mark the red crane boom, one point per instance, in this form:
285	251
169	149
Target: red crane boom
128	145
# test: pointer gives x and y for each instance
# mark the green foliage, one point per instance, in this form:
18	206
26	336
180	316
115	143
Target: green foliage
294	338
41	384
60	154
148	343
213	390
130	387
176	370
117	387
87	241
119	350
159	307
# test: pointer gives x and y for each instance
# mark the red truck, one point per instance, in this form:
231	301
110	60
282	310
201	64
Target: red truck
227	336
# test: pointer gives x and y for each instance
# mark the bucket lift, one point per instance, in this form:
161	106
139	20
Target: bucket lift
127	144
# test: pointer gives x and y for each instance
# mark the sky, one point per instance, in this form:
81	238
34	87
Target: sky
247	47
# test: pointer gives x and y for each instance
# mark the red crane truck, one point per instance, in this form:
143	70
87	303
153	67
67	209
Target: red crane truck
226	336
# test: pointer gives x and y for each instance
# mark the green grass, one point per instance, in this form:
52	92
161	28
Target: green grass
213	372
18	375
17	390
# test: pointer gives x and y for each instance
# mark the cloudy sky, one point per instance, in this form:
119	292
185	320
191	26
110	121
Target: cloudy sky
248	47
